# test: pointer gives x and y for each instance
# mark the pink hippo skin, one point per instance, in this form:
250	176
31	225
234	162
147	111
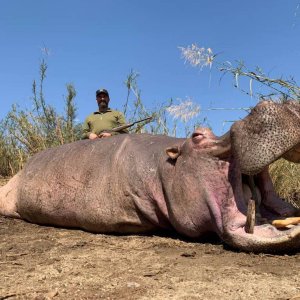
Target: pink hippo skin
138	183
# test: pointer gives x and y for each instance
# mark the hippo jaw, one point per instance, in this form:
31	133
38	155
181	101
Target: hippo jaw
265	237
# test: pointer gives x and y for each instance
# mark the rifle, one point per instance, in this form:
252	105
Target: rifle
122	127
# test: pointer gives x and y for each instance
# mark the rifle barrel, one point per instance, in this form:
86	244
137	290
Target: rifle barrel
119	128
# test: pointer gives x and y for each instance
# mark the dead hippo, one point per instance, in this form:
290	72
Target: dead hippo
138	183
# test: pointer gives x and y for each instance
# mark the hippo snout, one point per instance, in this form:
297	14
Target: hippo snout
269	132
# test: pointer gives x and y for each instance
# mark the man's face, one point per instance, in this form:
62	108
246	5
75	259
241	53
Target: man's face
102	100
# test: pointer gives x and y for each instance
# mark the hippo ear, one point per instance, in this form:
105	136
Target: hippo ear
173	152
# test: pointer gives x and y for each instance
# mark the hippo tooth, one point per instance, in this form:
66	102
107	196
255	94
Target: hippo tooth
286	222
249	227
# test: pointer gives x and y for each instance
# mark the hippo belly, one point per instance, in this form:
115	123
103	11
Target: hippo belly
62	188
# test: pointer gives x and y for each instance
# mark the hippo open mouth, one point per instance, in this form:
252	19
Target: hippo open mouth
269	132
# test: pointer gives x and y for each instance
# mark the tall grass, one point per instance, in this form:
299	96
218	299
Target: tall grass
25	132
276	88
170	117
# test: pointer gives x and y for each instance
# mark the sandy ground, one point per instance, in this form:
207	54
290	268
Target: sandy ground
38	262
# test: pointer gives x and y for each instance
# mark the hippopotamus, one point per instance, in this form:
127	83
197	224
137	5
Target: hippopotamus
141	183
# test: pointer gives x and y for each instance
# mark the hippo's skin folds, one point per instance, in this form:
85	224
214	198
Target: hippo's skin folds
140	183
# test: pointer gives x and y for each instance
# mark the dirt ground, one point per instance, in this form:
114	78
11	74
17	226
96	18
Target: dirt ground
39	262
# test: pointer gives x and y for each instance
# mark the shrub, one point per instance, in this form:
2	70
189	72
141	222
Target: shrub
25	132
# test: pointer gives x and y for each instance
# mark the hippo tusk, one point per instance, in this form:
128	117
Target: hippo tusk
250	222
286	222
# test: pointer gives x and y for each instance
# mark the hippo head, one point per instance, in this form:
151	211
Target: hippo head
239	196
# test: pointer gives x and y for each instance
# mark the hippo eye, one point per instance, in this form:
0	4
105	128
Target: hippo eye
197	136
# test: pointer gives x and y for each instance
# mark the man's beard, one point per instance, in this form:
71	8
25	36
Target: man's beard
103	105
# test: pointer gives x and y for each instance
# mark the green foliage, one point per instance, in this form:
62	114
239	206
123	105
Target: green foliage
270	88
163	122
278	88
134	109
25	132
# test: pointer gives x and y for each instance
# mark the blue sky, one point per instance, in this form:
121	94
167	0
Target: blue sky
95	44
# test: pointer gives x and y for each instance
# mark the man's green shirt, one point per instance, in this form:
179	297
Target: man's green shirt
100	121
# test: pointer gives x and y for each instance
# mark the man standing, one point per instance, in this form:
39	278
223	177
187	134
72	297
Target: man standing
105	118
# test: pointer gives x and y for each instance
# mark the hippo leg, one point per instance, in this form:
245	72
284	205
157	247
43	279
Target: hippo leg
8	198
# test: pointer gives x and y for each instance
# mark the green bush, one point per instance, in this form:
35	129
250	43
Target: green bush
25	132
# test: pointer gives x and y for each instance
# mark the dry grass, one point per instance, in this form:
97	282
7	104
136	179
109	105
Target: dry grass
197	56
285	176
3	181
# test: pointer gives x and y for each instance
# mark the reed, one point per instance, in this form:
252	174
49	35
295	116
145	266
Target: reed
25	132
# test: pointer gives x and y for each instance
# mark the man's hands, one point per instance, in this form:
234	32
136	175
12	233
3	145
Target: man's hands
93	136
104	134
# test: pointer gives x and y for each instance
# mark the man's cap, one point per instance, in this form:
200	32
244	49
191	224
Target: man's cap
102	91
